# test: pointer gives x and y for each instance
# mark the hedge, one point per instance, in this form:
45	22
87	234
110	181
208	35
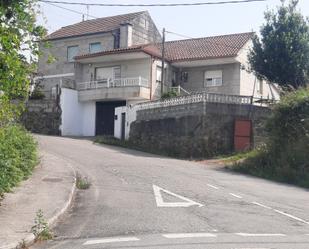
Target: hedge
18	156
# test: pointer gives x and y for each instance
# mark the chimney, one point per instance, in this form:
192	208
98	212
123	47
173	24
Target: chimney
125	35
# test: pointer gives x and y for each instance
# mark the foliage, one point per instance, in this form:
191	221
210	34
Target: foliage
18	156
169	94
82	182
19	49
285	156
111	140
37	93
40	229
281	54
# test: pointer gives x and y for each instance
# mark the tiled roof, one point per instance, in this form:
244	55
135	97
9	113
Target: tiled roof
98	25
190	49
207	47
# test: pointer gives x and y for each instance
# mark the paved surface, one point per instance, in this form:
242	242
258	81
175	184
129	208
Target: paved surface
50	188
138	200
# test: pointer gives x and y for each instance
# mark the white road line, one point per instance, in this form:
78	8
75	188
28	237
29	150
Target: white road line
291	216
188	235
186	202
110	240
212	186
237	196
261	205
260	234
253	248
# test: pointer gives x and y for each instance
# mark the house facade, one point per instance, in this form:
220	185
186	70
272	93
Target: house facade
106	63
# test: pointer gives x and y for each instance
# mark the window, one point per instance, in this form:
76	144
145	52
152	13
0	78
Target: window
174	78
159	74
259	87
213	78
95	47
184	76
72	52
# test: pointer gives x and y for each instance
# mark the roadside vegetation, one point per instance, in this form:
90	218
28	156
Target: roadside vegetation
19	50
281	55
41	230
285	155
18	156
82	182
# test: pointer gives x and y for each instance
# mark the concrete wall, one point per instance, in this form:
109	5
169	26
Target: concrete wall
130	118
230	75
194	130
78	119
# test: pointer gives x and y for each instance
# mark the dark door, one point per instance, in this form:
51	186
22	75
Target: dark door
105	112
123	125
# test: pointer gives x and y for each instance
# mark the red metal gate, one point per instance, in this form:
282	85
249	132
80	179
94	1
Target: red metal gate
242	134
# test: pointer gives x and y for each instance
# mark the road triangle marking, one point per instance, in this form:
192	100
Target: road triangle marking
161	203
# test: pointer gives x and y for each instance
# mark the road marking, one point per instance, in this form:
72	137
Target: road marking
291	216
281	212
253	248
212	186
160	203
237	196
260	234
188	235
110	240
261	205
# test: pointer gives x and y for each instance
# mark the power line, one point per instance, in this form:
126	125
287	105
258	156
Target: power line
173	33
74	11
153	5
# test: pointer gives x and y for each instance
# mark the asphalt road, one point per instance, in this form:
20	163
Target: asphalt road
139	200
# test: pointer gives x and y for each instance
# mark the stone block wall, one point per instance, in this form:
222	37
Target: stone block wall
196	130
42	116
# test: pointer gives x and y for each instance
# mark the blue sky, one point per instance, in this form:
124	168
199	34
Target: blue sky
195	21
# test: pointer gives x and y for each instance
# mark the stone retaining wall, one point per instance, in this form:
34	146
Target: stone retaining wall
42	116
195	130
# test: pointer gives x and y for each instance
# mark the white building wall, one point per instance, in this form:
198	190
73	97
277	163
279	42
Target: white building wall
249	85
88	118
78	118
130	118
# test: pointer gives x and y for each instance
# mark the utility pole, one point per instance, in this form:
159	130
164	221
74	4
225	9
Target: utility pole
87	12
163	62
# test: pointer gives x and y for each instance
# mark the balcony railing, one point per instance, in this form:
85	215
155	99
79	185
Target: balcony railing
111	83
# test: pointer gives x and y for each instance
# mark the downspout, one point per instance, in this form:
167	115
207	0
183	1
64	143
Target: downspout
151	74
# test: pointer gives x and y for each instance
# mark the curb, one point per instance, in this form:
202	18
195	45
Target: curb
30	239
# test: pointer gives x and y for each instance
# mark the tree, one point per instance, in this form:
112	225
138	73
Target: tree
19	49
281	55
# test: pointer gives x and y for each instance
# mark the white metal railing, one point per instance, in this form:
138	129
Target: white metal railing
109	83
179	90
196	98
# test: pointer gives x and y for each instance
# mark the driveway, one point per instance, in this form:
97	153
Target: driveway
139	200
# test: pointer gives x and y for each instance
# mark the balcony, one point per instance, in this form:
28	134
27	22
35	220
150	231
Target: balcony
136	88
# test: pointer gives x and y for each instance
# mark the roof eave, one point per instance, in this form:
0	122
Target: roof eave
81	35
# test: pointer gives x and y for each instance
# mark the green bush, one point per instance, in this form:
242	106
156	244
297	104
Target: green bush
285	157
169	94
18	156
